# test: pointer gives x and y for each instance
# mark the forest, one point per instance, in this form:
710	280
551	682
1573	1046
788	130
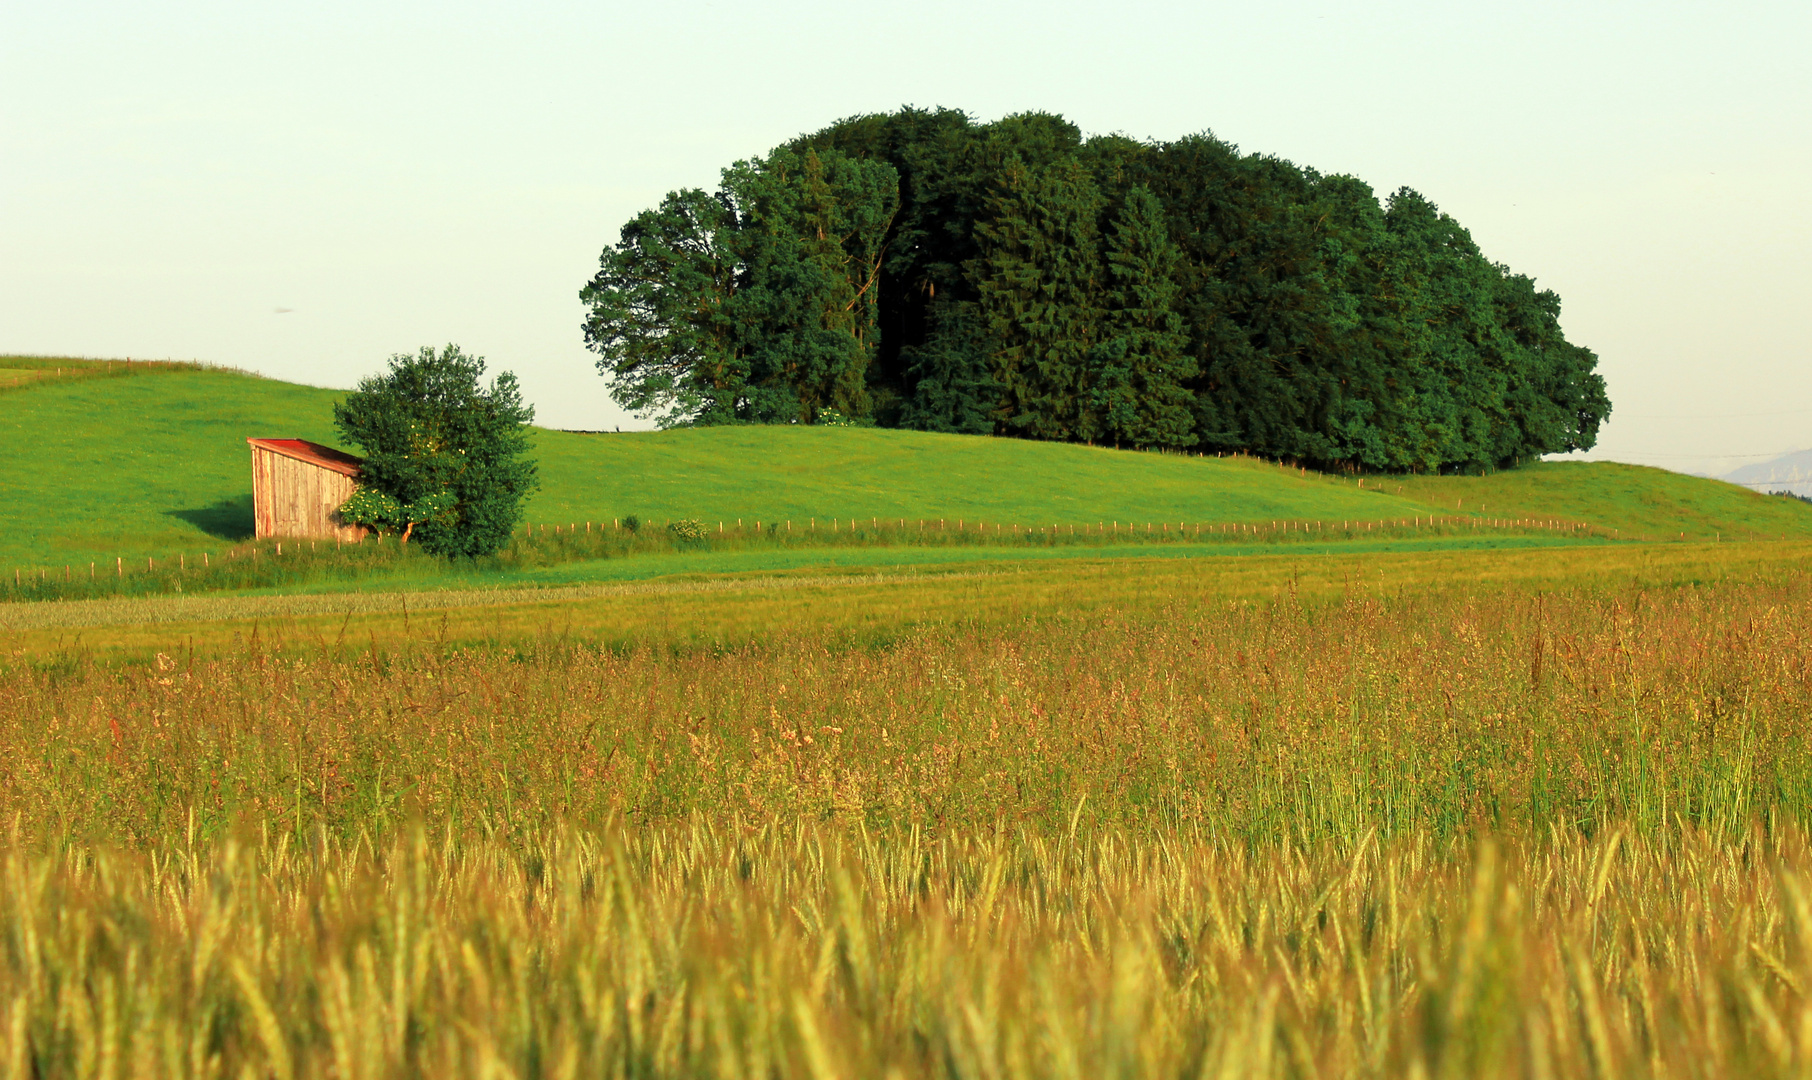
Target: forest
924	270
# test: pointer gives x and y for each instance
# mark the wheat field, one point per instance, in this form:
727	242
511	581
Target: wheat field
727	949
1447	831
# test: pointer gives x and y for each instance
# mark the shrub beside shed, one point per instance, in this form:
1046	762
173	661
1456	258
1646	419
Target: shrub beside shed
298	488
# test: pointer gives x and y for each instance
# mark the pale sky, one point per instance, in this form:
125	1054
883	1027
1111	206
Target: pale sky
303	189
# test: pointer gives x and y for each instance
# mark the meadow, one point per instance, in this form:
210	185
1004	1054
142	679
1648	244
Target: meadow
1511	792
146	460
1309	703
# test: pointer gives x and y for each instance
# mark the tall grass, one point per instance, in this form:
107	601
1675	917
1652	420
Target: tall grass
265	564
741	949
1445	832
1447	711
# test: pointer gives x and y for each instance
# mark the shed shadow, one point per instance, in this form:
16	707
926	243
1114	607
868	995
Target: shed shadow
228	519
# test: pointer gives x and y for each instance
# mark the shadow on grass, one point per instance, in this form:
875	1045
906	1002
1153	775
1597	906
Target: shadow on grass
228	519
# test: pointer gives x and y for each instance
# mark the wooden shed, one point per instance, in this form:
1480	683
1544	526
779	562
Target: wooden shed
298	486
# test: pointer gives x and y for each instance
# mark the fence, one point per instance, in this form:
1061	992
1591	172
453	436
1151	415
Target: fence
277	563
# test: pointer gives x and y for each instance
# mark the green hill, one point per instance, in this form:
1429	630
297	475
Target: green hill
1639	501
153	461
776	473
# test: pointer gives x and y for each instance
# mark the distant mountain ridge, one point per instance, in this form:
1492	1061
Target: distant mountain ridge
1789	472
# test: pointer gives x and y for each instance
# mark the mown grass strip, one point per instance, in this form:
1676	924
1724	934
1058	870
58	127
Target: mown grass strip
873	602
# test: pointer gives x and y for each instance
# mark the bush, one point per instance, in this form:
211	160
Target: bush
687	530
444	456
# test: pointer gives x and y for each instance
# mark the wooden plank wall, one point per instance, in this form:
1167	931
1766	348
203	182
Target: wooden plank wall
294	498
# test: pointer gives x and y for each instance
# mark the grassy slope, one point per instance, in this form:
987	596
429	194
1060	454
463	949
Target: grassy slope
801	472
156	464
1638	500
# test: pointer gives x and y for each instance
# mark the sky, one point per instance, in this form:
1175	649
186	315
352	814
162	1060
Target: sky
302	190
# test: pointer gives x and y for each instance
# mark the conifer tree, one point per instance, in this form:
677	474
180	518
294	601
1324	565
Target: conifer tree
951	374
1140	364
1039	286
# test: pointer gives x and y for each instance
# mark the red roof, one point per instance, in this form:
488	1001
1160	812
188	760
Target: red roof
325	457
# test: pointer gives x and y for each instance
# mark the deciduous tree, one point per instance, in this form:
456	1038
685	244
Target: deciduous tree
445	457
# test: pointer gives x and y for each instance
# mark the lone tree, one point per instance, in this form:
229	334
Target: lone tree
443	455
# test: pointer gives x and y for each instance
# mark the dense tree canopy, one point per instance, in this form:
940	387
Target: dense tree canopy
923	270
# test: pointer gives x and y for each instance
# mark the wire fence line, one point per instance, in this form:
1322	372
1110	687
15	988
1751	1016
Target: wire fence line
291	562
123	611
